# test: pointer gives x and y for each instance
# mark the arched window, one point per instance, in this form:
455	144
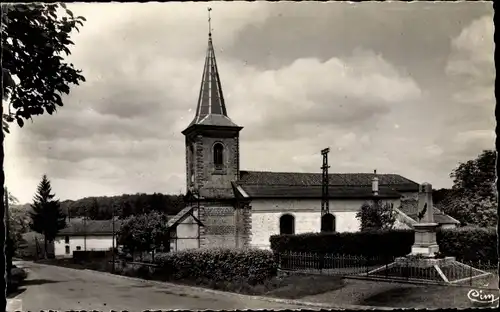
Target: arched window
218	154
328	223
287	224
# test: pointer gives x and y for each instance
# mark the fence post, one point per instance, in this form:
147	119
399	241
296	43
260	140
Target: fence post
321	261
407	269
386	260
367	265
470	274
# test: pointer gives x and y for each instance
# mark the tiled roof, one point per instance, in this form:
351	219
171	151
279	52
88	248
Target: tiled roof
409	206
314	191
179	216
335	179
90	227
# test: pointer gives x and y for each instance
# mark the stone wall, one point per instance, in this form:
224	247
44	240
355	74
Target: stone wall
225	226
216	182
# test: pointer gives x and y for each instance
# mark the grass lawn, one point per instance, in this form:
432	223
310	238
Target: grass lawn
397	295
289	287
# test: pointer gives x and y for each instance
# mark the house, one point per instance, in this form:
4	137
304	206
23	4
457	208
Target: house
239	208
81	234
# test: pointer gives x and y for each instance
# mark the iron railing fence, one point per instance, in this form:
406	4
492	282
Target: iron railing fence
413	268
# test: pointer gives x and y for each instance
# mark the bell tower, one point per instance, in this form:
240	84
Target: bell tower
212	138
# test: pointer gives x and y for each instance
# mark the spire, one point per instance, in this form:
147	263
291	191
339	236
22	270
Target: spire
211	108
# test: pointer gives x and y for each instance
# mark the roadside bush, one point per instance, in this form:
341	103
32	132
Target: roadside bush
218	265
467	243
17	276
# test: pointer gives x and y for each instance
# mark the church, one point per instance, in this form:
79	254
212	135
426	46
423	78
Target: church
231	207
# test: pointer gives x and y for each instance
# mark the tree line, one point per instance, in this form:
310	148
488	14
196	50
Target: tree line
123	206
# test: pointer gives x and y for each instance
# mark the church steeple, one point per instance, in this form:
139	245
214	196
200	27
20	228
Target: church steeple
211	108
212	139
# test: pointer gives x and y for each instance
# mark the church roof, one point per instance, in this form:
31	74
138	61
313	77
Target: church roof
211	109
314	191
262	184
396	181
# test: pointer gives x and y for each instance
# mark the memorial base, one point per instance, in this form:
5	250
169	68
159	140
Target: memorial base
427	269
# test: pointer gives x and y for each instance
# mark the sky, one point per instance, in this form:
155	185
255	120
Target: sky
404	88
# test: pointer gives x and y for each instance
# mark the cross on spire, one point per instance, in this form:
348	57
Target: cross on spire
209	23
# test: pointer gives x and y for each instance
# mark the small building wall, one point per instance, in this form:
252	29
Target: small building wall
187	235
89	242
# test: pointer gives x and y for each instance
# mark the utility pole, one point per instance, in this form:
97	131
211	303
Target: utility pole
113	230
85	230
324	186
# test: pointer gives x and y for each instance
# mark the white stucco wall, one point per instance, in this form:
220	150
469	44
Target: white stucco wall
307	212
89	243
266	215
266	224
186	235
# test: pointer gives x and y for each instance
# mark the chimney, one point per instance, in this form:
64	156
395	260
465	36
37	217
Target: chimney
375	184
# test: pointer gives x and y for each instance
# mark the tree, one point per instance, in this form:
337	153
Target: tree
35	38
34	74
93	211
18	221
473	199
477	175
376	215
47	217
145	232
126	210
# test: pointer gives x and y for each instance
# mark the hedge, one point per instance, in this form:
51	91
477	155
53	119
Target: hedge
218	264
366	243
469	244
88	255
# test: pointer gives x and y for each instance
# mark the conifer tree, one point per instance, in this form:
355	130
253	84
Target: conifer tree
47	217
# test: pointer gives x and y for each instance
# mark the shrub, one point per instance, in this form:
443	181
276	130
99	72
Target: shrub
218	265
467	243
18	274
367	243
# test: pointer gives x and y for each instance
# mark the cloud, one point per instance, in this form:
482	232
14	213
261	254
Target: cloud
472	62
381	100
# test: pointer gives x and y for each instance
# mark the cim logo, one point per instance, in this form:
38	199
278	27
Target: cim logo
479	298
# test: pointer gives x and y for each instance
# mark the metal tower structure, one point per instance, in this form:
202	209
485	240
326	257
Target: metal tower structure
324	189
